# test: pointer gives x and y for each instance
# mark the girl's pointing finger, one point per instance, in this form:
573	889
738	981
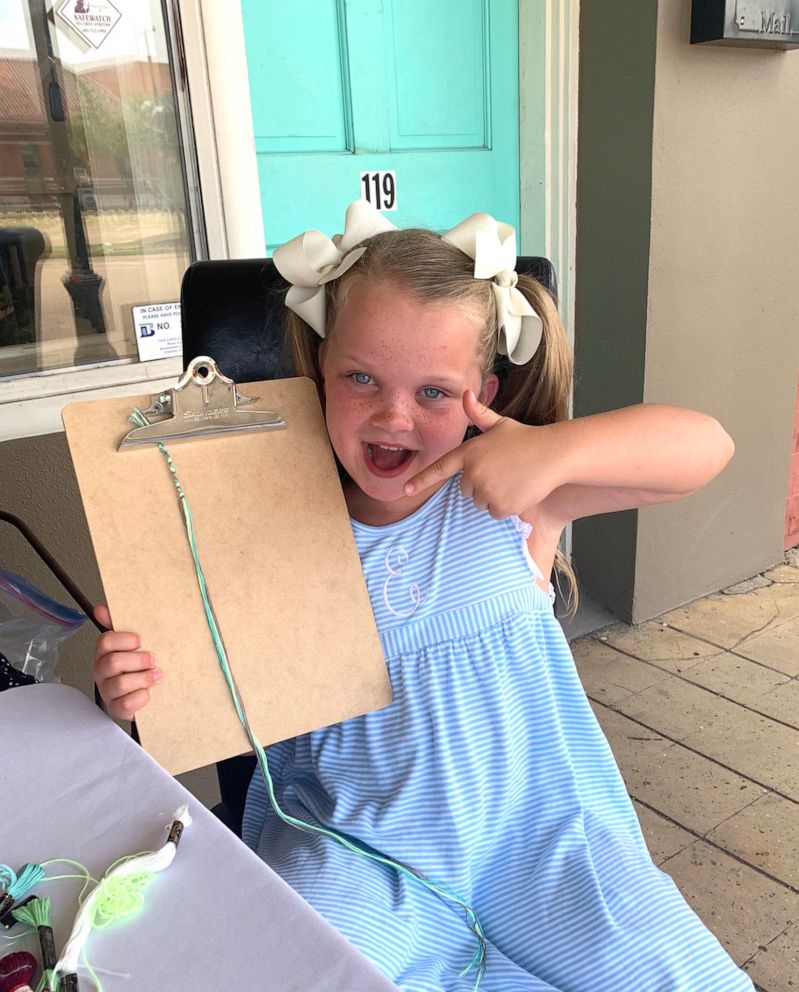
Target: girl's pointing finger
441	469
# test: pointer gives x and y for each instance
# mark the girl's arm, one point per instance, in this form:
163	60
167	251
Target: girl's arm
553	474
570	502
673	450
637	456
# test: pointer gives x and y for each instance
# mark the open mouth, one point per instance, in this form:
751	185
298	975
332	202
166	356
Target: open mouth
387	460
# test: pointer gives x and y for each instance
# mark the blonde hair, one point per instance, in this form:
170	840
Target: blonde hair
436	272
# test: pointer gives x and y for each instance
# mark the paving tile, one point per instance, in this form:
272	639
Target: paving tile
724	620
755	746
608	675
778	646
629	741
785	598
783	573
743	908
782	703
687	788
664	646
663	838
676	708
737	678
775	967
766	835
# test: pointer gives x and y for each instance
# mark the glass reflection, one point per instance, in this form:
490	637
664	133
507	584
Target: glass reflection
93	211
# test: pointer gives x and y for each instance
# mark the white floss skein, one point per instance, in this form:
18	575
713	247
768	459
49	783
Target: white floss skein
155	861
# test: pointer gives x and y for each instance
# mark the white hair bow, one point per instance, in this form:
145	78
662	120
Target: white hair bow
312	259
492	245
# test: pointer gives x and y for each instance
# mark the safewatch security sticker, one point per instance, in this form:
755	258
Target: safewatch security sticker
157	328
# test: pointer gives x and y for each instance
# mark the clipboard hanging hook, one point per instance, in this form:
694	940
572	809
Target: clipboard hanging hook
204	402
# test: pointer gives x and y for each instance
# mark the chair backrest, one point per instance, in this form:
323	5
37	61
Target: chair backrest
232	311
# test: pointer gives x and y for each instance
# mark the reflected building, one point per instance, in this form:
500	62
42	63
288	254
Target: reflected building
93	203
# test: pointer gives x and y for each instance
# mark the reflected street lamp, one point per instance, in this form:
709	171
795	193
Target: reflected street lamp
81	282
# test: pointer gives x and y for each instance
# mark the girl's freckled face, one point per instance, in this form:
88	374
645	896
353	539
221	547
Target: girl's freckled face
395	371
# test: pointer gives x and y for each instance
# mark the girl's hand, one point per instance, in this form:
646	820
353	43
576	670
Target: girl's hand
496	466
636	456
124	674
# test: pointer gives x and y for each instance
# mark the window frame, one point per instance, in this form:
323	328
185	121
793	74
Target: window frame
221	176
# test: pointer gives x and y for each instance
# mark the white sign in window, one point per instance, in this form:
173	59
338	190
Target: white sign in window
380	189
91	20
158	331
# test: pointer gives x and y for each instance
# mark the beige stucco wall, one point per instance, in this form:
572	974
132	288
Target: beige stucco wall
722	321
37	485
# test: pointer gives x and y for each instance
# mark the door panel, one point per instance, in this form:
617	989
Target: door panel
300	100
341	87
437	77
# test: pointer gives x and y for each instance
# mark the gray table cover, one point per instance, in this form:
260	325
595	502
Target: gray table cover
74	785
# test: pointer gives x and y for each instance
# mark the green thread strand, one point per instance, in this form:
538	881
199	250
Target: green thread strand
92	973
36	914
85	874
118	898
48	982
443	892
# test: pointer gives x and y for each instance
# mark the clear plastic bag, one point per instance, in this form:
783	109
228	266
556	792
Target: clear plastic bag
32	629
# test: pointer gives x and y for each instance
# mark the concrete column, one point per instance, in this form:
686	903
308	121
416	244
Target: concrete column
614	177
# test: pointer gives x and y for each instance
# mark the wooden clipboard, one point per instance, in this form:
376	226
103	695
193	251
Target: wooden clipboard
280	562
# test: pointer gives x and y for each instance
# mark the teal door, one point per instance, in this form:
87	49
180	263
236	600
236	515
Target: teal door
345	92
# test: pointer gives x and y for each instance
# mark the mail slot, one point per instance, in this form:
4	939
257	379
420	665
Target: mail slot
770	24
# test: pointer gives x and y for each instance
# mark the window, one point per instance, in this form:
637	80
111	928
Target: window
95	218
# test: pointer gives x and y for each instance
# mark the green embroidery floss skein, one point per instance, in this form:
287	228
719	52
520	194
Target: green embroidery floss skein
37	914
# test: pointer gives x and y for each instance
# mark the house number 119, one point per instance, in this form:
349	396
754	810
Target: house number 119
380	189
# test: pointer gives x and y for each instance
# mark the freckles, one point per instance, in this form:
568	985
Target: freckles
347	408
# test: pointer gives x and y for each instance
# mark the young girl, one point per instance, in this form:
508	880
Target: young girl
488	774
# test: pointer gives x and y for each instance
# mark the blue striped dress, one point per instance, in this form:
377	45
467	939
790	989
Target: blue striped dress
488	773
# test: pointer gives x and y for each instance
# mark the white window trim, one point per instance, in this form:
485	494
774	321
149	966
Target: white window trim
32	405
562	19
562	50
213	39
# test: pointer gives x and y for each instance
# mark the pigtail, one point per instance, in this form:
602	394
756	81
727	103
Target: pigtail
538	393
301	347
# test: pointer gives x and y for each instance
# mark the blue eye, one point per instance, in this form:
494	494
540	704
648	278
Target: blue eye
432	389
362	378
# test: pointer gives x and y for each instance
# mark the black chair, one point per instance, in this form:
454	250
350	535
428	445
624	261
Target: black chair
232	311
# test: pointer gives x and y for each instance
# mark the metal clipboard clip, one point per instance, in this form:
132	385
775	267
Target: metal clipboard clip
204	402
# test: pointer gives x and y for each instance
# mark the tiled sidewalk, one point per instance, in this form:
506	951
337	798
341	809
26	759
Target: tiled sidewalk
701	708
